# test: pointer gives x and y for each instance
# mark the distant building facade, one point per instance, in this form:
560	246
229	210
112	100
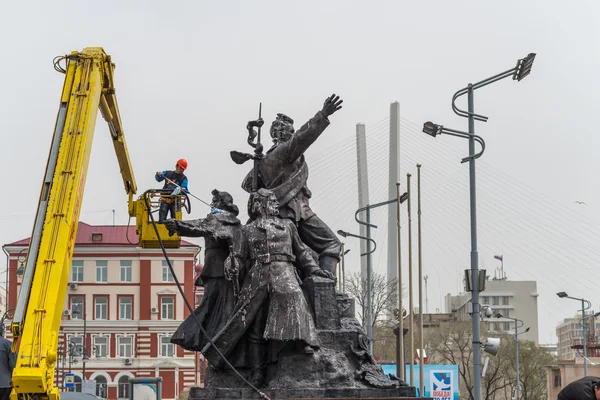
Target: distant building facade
570	337
512	299
130	305
570	366
552	348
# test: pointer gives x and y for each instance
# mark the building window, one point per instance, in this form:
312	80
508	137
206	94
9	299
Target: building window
125	308
166	347
167	276
77	307
485	300
101	305
100	346
77	271
498	327
167	308
101	387
495	300
506	326
125	346
126	270
77	387
505	300
101	271
123	387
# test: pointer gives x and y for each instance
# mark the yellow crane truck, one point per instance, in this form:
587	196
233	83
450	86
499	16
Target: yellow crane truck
88	86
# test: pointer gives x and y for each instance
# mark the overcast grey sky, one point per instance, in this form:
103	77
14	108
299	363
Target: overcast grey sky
190	74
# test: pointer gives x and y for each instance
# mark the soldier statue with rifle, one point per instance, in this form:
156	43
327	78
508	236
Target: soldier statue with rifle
284	171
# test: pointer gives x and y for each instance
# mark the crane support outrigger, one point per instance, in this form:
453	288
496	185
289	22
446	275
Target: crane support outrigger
88	86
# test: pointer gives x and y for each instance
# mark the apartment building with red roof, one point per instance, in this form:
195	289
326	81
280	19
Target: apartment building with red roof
129	304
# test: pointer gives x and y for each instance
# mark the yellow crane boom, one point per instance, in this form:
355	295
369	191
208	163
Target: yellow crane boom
88	86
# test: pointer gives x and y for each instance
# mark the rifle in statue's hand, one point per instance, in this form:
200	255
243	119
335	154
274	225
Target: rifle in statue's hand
240	158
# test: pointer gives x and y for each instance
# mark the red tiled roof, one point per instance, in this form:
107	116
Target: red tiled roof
111	236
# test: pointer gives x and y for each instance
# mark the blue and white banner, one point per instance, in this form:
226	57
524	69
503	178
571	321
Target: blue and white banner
441	381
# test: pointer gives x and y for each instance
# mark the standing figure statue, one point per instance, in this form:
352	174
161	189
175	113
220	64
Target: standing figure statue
218	229
271	305
284	171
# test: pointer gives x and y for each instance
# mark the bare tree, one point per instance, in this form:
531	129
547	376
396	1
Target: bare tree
384	295
452	344
532	372
384	340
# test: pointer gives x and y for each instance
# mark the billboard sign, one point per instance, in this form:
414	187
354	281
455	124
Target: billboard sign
441	381
145	388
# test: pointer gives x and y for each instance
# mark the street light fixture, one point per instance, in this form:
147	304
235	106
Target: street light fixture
84	315
21	270
523	67
564	295
517	378
520	71
346	234
369	225
433	130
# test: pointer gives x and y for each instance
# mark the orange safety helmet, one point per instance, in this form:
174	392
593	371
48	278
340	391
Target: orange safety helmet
182	162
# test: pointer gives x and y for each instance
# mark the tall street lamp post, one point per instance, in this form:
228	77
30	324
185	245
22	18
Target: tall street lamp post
369	225
520	71
369	311
518	324
85	358
585	305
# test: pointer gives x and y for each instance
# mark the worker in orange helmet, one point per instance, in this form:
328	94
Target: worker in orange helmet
175	181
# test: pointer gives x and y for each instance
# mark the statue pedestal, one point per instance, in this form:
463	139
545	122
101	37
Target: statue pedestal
403	393
342	368
322	298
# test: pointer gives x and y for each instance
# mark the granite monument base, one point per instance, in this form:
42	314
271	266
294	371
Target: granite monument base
400	393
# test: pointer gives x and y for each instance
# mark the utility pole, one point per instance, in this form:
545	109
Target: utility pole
426	299
369	280
583	327
84	358
422	345
400	364
410	292
474	254
518	380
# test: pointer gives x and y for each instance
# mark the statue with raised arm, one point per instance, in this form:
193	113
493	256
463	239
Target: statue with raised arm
217	229
271	305
284	171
